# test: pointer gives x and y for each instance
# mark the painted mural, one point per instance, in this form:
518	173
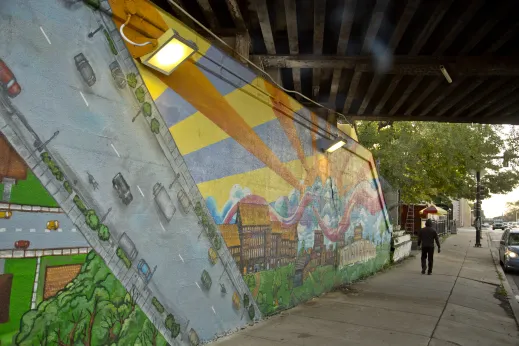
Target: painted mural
184	206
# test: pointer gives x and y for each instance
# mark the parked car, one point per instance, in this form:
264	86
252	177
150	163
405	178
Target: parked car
509	250
118	75
145	271
183	201
5	214
53	225
206	280
123	189
498	225
8	81
85	70
164	201
22	244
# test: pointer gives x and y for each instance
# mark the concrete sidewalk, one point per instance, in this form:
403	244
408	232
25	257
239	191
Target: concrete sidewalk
460	304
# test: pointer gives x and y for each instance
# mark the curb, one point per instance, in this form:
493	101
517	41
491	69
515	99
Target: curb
14	253
511	300
29	208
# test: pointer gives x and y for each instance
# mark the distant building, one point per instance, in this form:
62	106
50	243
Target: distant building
11	164
256	243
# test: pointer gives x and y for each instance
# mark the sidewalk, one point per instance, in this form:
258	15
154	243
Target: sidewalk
459	304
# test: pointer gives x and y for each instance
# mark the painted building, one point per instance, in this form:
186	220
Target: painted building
253	217
462	212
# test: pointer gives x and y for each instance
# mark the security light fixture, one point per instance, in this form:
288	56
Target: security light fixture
328	145
172	49
445	74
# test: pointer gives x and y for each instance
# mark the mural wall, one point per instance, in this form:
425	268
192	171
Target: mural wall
296	221
154	209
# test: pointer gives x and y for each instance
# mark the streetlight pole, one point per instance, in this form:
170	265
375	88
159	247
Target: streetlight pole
477	222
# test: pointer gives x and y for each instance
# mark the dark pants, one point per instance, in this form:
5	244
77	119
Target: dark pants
427	253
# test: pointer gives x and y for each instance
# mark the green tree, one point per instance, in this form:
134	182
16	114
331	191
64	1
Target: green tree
92	220
140	94
146	109
132	79
103	232
172	325
427	160
67	187
276	285
155	126
246	300
251	311
303	248
91	310
79	203
217	242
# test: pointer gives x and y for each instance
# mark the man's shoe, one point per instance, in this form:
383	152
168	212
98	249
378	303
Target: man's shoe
423	271
429	273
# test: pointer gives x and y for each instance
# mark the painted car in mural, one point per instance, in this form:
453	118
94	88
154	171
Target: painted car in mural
22	244
8	81
127	245
117	75
145	270
85	69
122	188
163	201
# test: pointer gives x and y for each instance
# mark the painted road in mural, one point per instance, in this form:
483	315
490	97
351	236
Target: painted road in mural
32	227
96	135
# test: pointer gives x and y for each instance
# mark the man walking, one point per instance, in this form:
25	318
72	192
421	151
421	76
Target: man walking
426	237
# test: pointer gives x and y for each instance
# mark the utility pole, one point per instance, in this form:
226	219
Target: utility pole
477	222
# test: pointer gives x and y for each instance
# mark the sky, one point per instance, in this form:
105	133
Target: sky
496	205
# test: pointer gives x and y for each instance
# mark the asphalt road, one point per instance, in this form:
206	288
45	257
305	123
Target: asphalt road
31	227
97	135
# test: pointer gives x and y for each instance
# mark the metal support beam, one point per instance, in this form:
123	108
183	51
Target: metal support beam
474	98
405	95
418	101
291	14
266	29
208	13
392	85
441	8
237	17
319	17
352	90
466	91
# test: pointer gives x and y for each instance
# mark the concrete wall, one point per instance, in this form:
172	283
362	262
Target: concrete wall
462	213
264	220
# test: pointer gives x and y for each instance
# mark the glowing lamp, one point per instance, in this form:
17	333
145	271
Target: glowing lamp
330	146
172	49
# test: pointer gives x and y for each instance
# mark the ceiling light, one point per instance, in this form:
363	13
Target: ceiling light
445	74
172	50
330	146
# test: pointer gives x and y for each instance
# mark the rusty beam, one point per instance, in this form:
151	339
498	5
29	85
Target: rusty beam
374	24
319	18
512	120
242	47
181	15
441	8
423	95
407	65
476	37
456	99
412	86
510	33
266	29
236	15
334	87
392	85
475	97
409	11
208	13
443	94
504	103
498	96
291	16
461	23
369	94
352	90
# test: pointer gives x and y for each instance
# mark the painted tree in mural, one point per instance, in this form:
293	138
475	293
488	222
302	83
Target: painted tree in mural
94	309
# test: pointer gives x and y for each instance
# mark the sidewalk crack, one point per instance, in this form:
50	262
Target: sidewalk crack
480	281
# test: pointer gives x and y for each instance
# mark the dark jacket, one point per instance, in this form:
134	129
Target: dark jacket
427	236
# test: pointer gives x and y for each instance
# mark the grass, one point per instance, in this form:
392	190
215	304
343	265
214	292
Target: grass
30	192
110	43
24	271
51	261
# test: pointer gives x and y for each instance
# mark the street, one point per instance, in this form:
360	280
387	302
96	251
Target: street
96	135
31	227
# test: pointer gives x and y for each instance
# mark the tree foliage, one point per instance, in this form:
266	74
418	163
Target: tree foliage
94	309
104	232
437	160
155	126
92	220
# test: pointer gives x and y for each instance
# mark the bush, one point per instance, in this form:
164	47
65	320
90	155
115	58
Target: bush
139	94
67	187
110	42
252	312
120	253
146	109
103	233
155	126
172	326
92	220
132	80
198	209
211	230
45	157
79	204
157	305
246	300
217	242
